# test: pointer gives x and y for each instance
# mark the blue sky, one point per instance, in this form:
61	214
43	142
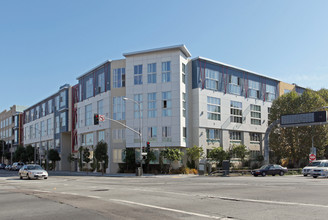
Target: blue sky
45	44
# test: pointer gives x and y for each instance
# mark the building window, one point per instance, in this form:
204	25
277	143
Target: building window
119	135
213	135
234	85
101	82
119	78
184	104
43	109
49	126
269	112
57	124
253	89
63	119
184	133
137	74
118	156
57	103
255	114
100	107
152	133
152	112
101	136
37	131
43	128
235	137
151	71
166	134
184	73
166	71
166	104
212	79
236	112
32	116
89	87
87	139
213	108
50	106
270	92
138	99
62	99
88	115
118	108
136	135
37	113
255	138
31	134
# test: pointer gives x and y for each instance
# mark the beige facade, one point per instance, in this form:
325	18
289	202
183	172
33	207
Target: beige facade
11	129
285	88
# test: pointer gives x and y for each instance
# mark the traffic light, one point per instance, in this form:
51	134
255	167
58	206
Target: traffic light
96	119
148	147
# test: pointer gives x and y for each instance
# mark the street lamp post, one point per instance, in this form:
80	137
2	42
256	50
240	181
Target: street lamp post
140	128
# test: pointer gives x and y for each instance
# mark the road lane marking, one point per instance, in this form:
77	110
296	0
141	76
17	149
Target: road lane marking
169	209
42	191
94	197
268	202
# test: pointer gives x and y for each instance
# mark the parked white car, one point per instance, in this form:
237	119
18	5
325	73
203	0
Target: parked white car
32	171
308	169
321	170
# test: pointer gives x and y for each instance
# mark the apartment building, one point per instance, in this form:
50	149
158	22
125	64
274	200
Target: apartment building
11	130
47	125
164	95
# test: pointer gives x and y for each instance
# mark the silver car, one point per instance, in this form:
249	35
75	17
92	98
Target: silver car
308	169
32	171
321	170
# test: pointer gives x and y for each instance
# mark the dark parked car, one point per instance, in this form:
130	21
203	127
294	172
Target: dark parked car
8	167
2	166
16	166
270	169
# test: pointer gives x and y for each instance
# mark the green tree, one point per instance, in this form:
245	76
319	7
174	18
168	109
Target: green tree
193	155
217	154
20	154
294	143
130	158
29	153
172	154
101	155
239	151
86	157
150	157
54	157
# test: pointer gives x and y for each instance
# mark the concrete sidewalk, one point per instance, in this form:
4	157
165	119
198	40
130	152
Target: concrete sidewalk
68	173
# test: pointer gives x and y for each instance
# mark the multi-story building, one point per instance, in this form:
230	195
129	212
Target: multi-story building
172	100
177	102
11	130
47	125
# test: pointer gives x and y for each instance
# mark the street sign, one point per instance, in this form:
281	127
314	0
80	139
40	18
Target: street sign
304	119
144	153
312	157
101	117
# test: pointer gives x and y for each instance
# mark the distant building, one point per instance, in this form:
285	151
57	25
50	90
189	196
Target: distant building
11	130
47	125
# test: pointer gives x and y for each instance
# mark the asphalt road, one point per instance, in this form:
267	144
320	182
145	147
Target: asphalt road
163	197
